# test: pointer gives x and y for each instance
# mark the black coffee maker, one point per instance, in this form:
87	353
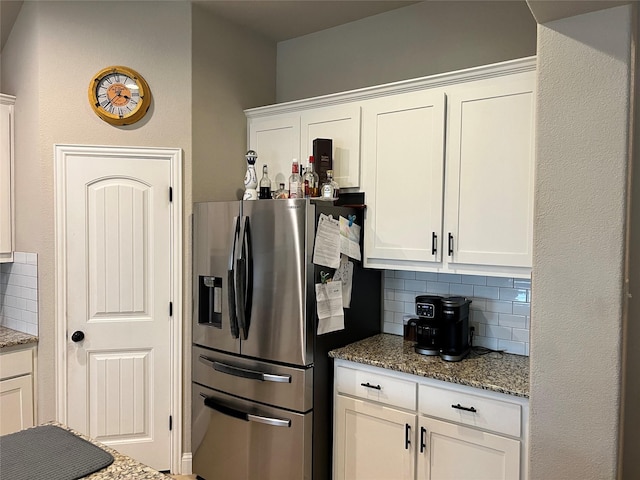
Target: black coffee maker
455	343
442	327
428	325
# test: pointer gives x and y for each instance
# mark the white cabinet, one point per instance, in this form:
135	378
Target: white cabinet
6	179
16	389
399	426
448	173
403	152
448	451
282	132
490	167
372	441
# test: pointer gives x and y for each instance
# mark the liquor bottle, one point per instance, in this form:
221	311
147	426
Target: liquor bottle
295	184
330	188
250	177
265	185
310	180
281	192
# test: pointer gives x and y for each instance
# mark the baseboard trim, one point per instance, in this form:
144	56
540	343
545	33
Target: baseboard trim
187	464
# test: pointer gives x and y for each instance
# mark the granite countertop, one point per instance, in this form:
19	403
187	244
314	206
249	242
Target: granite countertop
10	337
504	373
122	468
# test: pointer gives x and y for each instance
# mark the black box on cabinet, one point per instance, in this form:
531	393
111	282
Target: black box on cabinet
323	155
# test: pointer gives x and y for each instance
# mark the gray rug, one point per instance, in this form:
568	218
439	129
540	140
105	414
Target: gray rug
49	453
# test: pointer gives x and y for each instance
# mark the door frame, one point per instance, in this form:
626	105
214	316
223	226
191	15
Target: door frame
173	155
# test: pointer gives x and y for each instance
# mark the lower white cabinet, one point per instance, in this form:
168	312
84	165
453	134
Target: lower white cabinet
448	451
392	425
373	441
16	390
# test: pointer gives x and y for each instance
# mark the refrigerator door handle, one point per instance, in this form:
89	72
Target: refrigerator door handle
247	417
246	373
244	284
231	279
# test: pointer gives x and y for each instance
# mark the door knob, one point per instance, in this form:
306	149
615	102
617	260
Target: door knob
77	336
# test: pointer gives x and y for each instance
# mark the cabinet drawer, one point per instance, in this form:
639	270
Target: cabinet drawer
16	363
490	414
376	387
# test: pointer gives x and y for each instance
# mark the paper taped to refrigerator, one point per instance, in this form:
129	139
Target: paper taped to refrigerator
344	274
326	250
329	306
350	239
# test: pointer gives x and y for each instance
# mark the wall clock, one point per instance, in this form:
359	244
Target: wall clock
119	95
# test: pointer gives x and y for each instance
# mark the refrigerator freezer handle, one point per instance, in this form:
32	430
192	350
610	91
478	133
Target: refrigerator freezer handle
247	417
246	373
231	285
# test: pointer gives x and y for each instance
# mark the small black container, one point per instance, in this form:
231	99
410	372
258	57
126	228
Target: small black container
455	343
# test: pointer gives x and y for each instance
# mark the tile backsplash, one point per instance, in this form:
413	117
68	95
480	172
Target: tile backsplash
19	293
500	307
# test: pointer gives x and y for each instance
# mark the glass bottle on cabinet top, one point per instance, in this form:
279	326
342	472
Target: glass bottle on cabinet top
265	185
281	192
310	180
295	184
330	188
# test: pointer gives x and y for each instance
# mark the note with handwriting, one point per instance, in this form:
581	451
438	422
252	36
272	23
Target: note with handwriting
350	239
329	307
344	274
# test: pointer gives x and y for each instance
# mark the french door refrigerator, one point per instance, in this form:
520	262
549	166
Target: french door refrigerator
262	379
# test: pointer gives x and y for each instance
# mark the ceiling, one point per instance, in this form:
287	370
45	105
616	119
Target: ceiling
282	20
276	20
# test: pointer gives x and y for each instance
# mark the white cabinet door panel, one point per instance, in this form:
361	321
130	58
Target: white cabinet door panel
340	123
403	153
6	179
490	168
371	441
16	404
453	452
276	140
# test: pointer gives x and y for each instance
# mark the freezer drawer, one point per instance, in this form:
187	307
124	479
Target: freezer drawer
264	382
234	439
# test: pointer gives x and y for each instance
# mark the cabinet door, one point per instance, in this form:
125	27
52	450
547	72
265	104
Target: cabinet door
341	123
402	162
16	404
276	140
452	452
6	197
490	168
372	441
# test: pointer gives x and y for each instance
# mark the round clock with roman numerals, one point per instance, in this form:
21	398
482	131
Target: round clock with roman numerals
119	95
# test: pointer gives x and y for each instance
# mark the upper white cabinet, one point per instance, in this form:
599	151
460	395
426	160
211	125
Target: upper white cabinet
448	172
6	178
403	167
489	179
282	132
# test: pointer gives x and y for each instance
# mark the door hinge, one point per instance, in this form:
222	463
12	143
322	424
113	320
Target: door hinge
171	194
171	309
170	422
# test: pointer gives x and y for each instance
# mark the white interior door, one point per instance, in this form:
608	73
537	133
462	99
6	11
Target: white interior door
115	285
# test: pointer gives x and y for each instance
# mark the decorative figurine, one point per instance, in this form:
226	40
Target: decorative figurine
250	178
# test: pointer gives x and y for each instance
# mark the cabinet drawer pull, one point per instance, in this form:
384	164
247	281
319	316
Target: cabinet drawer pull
434	243
450	244
423	442
466	409
407	434
368	385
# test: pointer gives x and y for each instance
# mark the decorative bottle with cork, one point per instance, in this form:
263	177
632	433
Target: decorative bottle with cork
295	182
250	177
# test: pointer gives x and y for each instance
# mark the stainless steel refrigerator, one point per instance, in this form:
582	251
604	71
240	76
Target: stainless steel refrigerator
262	379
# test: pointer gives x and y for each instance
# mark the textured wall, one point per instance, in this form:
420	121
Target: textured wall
54	50
415	41
579	242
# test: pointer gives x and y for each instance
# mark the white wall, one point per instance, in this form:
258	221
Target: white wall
422	39
54	50
579	244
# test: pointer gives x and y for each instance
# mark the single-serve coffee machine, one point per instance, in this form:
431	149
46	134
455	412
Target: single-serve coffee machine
442	326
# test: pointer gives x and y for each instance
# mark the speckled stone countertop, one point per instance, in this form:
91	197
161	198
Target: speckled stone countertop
9	337
504	373
122	468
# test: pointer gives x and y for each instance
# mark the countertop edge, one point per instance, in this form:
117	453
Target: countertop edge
10	338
